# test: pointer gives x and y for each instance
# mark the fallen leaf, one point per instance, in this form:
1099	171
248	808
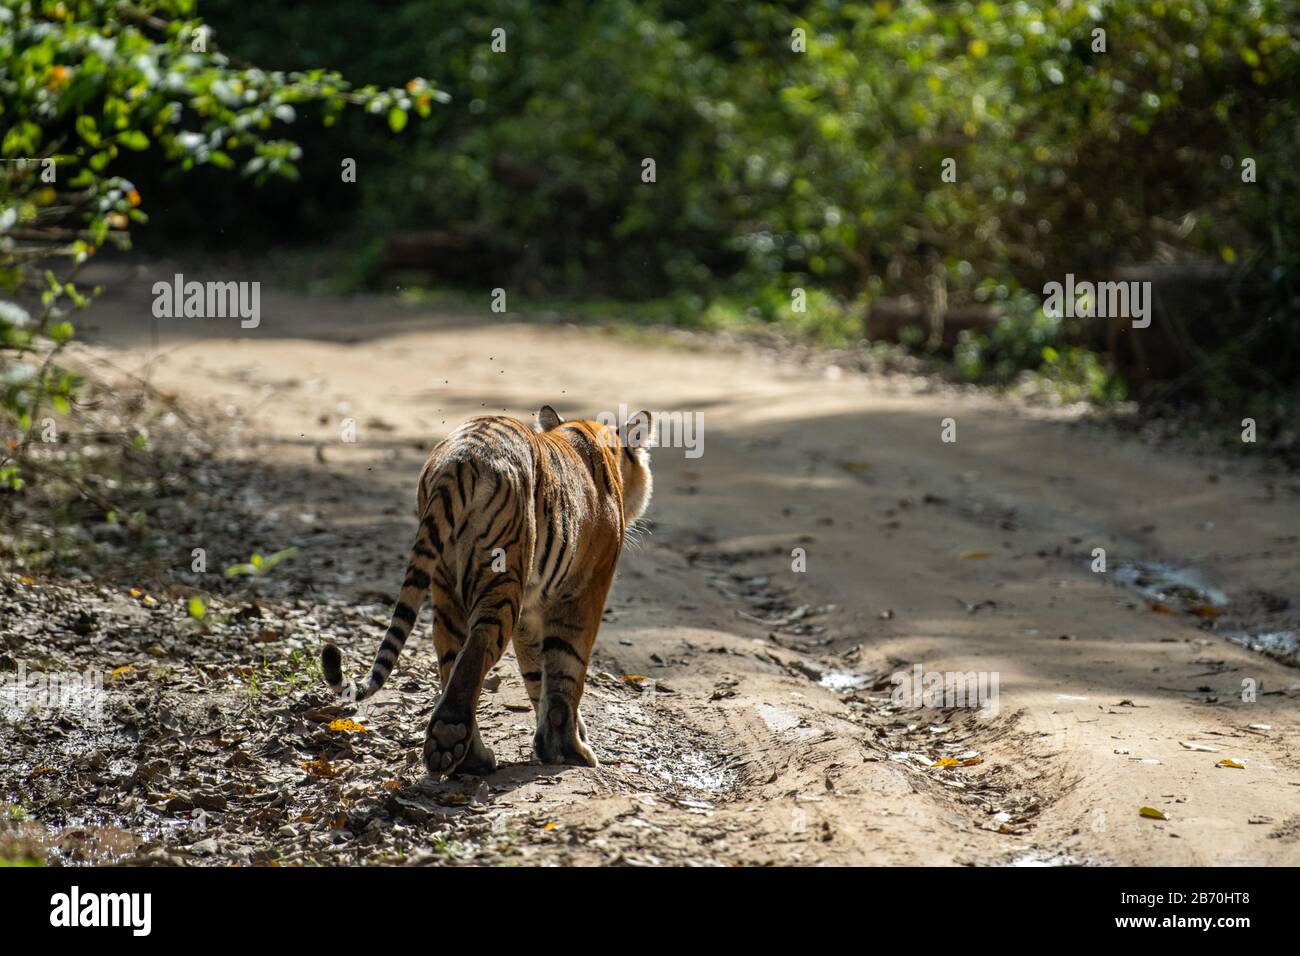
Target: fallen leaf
977	555
343	725
1234	764
945	762
1160	608
40	772
1152	813
550	825
320	768
1206	612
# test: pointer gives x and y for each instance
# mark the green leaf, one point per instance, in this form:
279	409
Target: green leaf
397	119
134	139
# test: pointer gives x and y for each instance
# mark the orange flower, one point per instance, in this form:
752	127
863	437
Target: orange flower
58	76
133	197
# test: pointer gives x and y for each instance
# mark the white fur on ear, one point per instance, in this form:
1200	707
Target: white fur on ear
548	418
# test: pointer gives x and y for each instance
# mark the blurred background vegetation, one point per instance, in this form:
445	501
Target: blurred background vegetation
801	146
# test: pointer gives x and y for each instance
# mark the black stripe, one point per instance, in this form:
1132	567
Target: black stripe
546	550
431	526
404	613
460	483
560	644
532	676
566	625
416	578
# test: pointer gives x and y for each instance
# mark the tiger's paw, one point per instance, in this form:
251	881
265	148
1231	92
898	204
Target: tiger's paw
447	743
480	761
561	740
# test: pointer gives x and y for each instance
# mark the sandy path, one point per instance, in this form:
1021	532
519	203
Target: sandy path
972	556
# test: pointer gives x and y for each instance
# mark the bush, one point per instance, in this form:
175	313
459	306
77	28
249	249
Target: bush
84	83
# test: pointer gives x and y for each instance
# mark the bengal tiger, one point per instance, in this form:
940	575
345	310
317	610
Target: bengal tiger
520	532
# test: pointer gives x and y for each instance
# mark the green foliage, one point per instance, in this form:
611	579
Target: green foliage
85	83
822	169
258	565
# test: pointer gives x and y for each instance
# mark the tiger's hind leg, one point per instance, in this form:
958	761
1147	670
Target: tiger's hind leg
453	736
448	638
527	640
570	632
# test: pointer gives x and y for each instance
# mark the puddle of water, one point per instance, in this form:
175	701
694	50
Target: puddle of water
1276	642
842	681
1186	590
1170	584
697	771
1044	859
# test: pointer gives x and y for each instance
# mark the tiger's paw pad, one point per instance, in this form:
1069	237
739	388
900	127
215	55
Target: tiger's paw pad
446	744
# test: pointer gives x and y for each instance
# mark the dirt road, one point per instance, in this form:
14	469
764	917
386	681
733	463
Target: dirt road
743	709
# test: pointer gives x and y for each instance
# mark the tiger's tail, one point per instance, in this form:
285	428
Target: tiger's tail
415	586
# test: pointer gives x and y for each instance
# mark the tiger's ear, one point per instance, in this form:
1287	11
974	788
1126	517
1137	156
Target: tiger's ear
548	418
637	431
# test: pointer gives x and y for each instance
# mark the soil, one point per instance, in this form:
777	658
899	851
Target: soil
741	698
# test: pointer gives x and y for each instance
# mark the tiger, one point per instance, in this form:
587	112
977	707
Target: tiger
521	529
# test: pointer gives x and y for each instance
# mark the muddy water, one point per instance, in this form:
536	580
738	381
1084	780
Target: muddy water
1175	588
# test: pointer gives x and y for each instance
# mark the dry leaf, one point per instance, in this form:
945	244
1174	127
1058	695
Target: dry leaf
1152	813
343	725
1161	609
320	768
977	555
1234	764
551	825
1206	612
945	762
